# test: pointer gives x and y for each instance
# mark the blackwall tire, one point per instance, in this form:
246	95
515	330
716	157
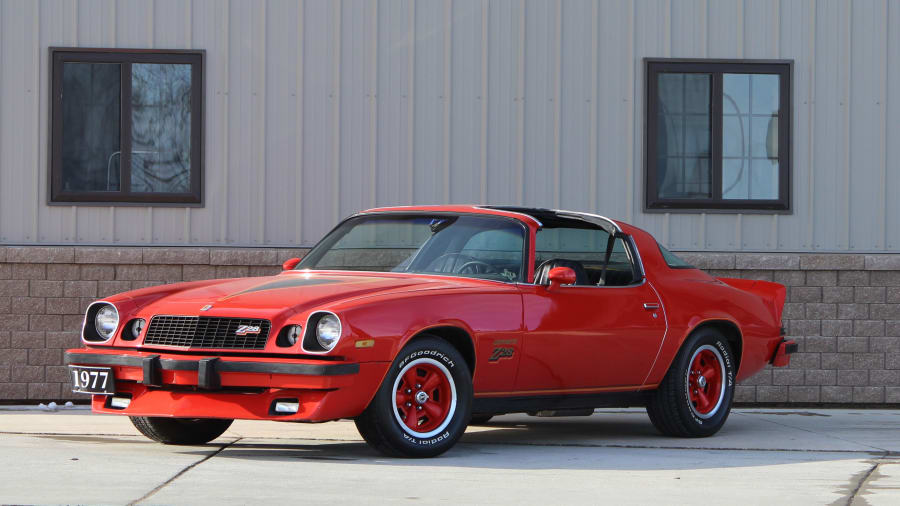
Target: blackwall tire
181	431
695	397
423	405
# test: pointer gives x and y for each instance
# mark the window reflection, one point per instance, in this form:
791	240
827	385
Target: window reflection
683	137
750	109
160	127
90	126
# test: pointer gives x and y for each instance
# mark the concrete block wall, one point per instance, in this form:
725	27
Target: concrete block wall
44	292
842	309
844	312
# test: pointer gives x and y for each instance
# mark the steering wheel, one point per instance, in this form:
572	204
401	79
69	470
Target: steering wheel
475	267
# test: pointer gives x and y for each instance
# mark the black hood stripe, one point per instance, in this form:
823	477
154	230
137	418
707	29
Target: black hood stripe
286	283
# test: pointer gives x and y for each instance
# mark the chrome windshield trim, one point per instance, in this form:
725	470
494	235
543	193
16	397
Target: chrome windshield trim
402	274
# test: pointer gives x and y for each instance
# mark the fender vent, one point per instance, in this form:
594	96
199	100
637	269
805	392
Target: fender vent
207	332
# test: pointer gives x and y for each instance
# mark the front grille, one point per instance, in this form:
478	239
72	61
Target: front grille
206	332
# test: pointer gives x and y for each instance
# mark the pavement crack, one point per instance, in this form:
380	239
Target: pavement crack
862	483
180	473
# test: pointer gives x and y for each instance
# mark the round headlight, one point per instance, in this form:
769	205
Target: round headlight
328	331
137	327
293	334
106	321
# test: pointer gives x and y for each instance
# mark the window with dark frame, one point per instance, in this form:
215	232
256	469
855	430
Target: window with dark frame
126	126
718	135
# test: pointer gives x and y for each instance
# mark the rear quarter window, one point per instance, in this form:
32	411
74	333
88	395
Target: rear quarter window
672	260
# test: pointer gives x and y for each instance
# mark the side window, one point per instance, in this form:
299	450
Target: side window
584	251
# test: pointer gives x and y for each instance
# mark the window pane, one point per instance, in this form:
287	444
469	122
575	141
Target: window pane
735	136
735	174
764	94
696	135
696	93
736	93
750	136
683	136
673	260
90	126
764	179
765	137
161	127
671	93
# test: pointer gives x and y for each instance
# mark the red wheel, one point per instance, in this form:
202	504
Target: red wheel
424	403
425	397
695	396
704	381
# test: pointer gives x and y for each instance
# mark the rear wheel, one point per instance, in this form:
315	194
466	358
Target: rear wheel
181	431
424	403
694	399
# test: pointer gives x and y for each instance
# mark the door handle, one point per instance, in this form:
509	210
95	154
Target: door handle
651	306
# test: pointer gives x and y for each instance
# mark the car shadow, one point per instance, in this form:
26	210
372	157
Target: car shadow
590	443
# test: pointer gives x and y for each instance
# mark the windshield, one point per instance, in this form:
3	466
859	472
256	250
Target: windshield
485	247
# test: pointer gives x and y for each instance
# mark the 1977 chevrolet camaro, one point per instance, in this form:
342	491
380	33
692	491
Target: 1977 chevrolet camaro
417	321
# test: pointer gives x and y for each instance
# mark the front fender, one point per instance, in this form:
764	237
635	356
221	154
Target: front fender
385	324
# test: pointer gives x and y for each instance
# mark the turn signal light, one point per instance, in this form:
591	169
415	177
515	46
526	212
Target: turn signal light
287	406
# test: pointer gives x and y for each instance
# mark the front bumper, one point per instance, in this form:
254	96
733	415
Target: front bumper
246	387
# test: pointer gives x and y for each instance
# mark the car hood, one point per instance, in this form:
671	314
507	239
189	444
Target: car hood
291	291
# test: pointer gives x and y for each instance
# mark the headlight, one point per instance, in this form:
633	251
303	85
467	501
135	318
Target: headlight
293	334
328	331
106	321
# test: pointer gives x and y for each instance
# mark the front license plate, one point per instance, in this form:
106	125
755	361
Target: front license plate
93	380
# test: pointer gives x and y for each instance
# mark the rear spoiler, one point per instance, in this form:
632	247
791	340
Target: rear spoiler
773	294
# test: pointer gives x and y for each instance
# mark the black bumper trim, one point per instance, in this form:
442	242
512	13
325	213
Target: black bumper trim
169	364
207	375
151	367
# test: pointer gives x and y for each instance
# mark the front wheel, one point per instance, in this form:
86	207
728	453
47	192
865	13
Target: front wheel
424	403
694	399
181	431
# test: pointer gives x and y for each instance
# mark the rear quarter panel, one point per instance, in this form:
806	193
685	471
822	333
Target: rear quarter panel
691	297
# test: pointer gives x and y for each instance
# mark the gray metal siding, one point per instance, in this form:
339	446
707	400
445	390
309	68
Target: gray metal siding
317	109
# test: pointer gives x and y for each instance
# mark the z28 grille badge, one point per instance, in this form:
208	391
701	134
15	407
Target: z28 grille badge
206	307
246	330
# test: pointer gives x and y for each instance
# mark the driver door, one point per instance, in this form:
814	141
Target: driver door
590	336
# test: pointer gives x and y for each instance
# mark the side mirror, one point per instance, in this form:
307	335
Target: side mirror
290	263
561	276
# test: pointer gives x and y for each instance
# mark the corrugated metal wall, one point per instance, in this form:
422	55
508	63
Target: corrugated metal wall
317	109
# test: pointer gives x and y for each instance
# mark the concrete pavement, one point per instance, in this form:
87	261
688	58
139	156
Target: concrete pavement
615	456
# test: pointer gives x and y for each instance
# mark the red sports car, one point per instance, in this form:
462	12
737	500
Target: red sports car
418	321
